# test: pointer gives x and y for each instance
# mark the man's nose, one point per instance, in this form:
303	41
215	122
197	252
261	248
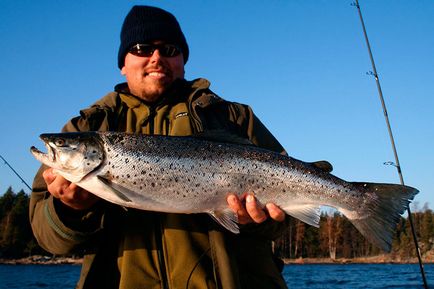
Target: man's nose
156	56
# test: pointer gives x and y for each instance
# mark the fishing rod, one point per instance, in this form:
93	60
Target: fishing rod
389	128
18	175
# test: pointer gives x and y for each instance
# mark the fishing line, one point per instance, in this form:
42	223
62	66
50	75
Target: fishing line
396	164
22	180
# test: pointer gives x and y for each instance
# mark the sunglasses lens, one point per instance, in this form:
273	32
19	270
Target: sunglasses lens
169	50
146	50
142	50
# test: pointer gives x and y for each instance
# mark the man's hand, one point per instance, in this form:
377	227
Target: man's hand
68	193
248	210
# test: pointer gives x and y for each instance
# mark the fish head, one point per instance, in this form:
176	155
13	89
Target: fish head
72	155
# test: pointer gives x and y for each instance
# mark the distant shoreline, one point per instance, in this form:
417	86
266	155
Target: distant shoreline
380	259
43	260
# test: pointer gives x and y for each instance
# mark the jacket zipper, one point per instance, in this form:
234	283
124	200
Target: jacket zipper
152	111
159	241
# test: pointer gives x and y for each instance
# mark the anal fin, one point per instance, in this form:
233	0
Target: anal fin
227	218
309	214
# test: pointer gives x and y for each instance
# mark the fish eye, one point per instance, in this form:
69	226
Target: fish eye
60	142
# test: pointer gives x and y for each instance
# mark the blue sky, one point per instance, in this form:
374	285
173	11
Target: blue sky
301	65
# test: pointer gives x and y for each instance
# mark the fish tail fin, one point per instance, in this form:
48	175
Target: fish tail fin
384	214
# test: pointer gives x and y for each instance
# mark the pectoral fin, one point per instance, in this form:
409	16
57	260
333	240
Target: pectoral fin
112	187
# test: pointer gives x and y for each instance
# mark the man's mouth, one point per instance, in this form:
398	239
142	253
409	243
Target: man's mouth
156	74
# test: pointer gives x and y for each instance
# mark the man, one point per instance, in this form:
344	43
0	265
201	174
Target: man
140	249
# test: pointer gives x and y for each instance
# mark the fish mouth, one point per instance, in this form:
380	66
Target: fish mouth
46	158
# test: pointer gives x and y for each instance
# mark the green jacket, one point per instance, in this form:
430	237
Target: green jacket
139	249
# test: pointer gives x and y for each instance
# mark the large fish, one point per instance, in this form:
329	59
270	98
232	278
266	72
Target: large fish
193	175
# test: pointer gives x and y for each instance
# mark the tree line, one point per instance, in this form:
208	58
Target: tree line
336	237
16	238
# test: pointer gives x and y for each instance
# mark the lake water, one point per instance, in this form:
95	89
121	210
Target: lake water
297	276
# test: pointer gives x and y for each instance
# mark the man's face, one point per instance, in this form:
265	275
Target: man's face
149	77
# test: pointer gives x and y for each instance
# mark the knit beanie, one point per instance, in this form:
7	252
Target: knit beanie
144	24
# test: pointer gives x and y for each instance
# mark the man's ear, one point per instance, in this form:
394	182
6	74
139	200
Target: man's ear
123	70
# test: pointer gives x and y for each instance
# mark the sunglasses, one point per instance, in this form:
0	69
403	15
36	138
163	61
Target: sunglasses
146	50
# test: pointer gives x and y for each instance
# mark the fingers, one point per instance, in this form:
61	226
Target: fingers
238	208
275	212
56	185
251	211
48	175
254	210
68	193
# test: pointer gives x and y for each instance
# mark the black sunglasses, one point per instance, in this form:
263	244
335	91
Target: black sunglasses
146	50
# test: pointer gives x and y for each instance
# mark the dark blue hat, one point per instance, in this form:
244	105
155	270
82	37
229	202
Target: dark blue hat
146	23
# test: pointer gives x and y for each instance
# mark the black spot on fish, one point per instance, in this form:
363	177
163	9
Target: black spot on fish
153	185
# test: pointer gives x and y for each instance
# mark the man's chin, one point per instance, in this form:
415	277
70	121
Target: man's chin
152	95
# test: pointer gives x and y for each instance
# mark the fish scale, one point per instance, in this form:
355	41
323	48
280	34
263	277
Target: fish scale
194	175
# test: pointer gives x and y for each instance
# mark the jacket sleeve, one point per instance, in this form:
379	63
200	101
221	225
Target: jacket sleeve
57	228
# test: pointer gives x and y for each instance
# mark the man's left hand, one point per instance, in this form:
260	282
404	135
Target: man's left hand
249	211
